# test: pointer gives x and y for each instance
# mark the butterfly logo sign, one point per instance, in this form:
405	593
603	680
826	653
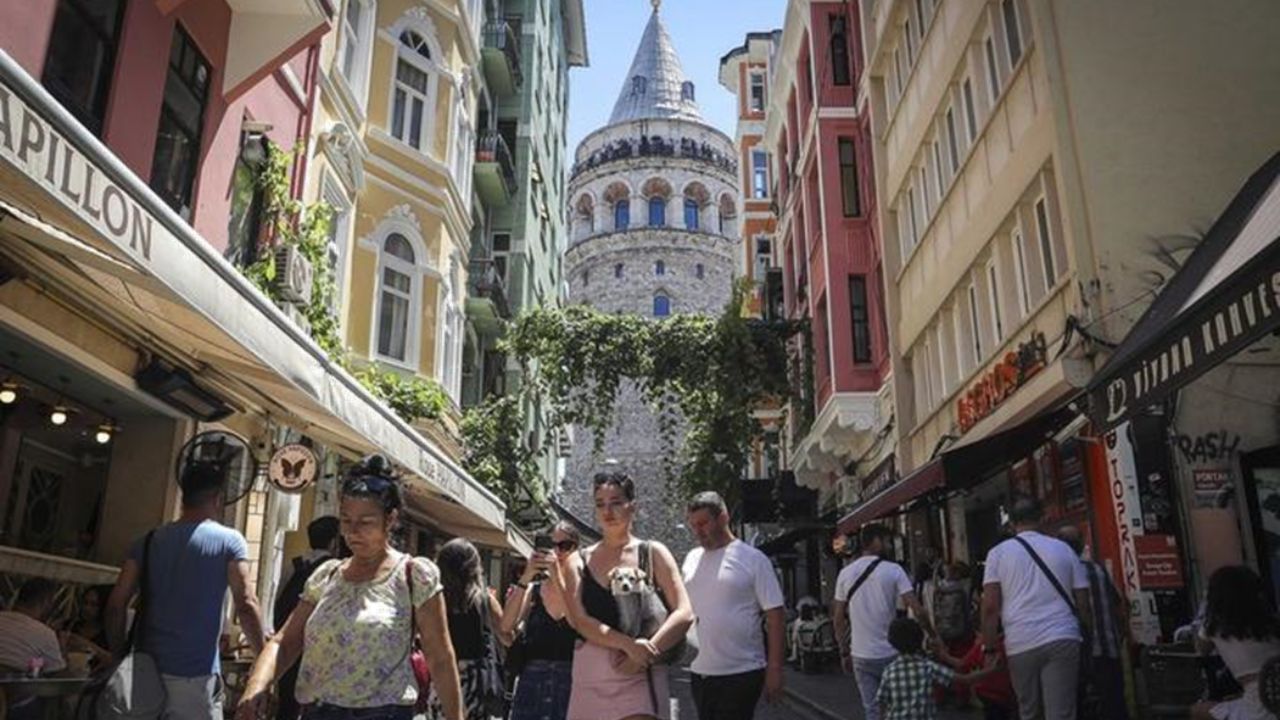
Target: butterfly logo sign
293	468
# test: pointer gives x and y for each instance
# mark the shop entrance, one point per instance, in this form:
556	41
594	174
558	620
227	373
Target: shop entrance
1262	482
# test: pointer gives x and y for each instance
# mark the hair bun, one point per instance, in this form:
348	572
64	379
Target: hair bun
376	464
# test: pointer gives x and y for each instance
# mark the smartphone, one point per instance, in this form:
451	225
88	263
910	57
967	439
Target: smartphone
543	542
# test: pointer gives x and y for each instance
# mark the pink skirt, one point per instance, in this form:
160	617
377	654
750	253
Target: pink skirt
602	693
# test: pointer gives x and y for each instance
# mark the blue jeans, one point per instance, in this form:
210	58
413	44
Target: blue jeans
867	673
542	692
333	712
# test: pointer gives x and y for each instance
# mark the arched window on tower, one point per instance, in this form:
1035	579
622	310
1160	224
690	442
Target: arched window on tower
638	84
691	213
659	268
661	305
622	214
657	211
686	91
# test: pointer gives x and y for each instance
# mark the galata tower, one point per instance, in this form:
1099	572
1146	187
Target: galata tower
654	222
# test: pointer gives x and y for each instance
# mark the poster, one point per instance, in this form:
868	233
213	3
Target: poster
1159	563
1211	489
1144	621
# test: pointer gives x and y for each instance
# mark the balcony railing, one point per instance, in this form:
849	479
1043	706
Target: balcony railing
502	57
485	281
495	171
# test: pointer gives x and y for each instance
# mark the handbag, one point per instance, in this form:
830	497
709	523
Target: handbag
1088	703
133	688
493	689
684	652
417	660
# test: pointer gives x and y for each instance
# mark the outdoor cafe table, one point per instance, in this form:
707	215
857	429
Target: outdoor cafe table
59	688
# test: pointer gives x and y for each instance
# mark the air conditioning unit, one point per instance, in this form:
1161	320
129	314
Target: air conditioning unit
295	315
294	275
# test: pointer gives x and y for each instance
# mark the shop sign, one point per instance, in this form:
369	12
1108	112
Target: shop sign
1231	317
293	468
31	144
1159	565
1210	488
1012	372
879	479
1122	467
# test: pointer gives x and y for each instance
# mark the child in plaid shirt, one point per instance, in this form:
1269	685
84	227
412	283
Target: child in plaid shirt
906	690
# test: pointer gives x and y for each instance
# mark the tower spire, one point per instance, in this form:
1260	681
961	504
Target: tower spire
656	86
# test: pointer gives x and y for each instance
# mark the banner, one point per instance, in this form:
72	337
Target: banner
1144	620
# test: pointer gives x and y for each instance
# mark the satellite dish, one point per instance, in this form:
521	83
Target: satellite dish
227	450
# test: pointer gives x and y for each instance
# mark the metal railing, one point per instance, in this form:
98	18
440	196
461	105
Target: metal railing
501	36
491	147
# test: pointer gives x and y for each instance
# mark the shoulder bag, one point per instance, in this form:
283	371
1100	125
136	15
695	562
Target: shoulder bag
1088	703
493	689
133	689
684	652
417	660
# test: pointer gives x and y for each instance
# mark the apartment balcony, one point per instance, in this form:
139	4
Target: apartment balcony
488	304
501	57
495	172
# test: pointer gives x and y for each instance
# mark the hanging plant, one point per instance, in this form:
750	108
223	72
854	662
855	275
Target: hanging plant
497	456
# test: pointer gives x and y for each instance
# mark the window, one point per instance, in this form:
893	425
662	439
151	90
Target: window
686	91
970	112
759	174
757	93
177	153
657	211
911	217
245	221
860	316
397	288
849	199
413	102
899	75
975	327
661	305
1020	262
638	85
622	214
352	56
336	244
944	364
1046	245
617	271
838	25
993	296
923	18
1012	32
691	213
763	259
993	69
586	278
699	271
659	268
957	328
953	147
501	251
82	57
924	196
909	39
937	170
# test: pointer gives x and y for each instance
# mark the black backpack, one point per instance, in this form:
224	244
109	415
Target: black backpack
291	593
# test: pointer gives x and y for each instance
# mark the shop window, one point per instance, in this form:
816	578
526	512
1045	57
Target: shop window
838	25
397	280
413	101
849	199
82	57
177	151
860	316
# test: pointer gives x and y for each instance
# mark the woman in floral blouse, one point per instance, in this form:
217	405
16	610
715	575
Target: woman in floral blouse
357	619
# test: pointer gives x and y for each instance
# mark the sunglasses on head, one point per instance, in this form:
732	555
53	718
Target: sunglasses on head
371	483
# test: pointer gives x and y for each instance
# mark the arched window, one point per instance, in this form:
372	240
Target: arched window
657	211
397	288
691	213
622	214
659	268
661	305
686	90
586	278
638	85
699	271
413	102
617	271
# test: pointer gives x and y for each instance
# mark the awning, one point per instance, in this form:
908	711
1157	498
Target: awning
93	234
1225	298
964	466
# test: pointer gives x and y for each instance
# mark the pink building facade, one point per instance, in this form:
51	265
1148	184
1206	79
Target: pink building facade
818	128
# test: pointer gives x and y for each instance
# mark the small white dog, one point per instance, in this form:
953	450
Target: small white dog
640	610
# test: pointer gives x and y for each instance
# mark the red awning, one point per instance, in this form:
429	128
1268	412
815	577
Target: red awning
927	477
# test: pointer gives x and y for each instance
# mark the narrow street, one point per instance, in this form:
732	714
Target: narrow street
682	704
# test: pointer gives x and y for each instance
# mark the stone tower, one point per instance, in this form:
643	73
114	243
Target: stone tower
653	233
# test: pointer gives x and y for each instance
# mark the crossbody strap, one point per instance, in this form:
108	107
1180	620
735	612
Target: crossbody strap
408	578
135	630
863	578
1048	574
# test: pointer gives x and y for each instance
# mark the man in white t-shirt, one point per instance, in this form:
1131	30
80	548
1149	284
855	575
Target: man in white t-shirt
866	602
731	585
1042	631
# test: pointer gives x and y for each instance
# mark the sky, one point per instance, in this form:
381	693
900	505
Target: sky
702	31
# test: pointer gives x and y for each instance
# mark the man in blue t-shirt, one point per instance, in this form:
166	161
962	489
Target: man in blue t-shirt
189	567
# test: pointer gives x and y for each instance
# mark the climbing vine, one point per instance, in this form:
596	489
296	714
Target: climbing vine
288	222
497	456
703	377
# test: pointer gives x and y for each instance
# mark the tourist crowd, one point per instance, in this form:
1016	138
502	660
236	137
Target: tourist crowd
367	632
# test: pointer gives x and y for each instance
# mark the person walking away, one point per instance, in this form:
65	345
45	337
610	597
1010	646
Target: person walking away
475	617
357	620
1110	625
866	603
1240	623
1036	587
189	567
906	688
731	585
995	691
548	640
322	536
615	676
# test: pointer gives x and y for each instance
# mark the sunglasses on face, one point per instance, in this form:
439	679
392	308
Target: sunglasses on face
565	545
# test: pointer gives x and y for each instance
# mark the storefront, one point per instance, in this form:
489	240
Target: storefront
114	312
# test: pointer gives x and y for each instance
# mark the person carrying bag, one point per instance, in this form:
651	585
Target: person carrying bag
133	689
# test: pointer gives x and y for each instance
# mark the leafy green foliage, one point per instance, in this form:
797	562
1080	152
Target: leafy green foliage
411	397
497	456
702	376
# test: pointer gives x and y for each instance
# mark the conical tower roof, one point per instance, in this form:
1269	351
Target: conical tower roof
656	86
